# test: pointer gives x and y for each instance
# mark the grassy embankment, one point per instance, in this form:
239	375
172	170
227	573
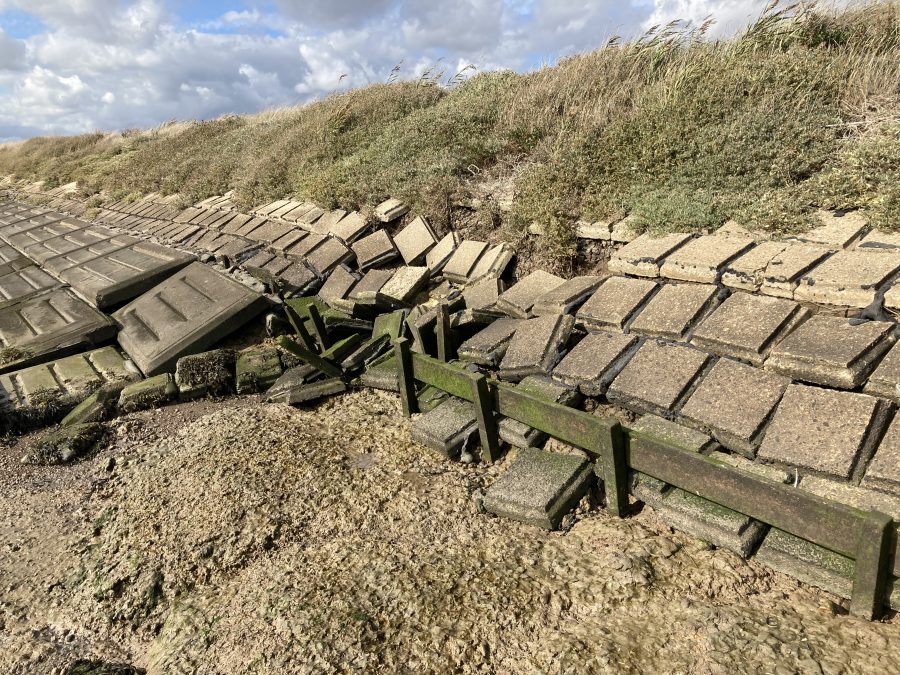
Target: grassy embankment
800	111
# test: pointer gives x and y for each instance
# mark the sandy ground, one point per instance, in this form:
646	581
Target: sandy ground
240	537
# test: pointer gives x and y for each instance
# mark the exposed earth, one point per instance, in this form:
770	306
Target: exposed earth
236	536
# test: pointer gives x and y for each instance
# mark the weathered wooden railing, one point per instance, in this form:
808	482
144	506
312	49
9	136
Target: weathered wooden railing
867	537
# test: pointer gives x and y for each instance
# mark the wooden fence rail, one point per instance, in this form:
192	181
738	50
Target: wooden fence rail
867	537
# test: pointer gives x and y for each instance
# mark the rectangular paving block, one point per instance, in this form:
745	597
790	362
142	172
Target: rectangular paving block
350	228
365	292
463	260
536	347
518	300
810	563
849	278
643	256
331	253
885	380
883	472
327	221
337	287
566	297
657	378
539	487
51	323
839	229
375	249
401	289
415	240
185	314
832	350
448	428
488	346
824	431
124	274
746	326
773	267
481	298
153	392
703	259
733	402
615	303
595	361
672	433
492	263
880	239
676	309
256	369
599	229
520	435
438	256
382	373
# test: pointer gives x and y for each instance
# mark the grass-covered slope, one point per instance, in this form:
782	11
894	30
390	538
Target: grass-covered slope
800	111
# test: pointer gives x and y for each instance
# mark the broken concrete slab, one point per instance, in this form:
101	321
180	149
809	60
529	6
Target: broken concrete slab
52	323
535	347
625	231
66	444
402	287
773	267
296	392
643	257
702	259
539	487
883	472
733	403
746	326
839	229
849	278
518	300
375	249
595	361
675	434
438	256
885	380
481	298
256	369
97	407
657	378
185	314
832	350
492	263
328	221
390	209
382	373
676	309
366	290
615	303
150	393
415	240
488	346
599	229
824	431
205	374
448	428
520	435
463	260
566	297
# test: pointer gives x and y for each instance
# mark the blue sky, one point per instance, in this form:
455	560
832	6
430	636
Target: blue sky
71	66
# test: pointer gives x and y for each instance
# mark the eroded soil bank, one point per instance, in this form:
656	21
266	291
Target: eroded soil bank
237	537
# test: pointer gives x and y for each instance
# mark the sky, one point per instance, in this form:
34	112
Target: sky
73	66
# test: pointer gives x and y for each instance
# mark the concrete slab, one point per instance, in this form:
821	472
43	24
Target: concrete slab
124	274
382	373
49	324
643	257
849	278
703	259
438	256
599	229
374	250
615	303
17	285
492	263
415	240
536	347
402	287
838	229
674	434
676	309
883	472
774	267
390	209
858	497
307	245
269	231
518	300
481	297
206	374
595	361
881	239
304	392
539	487
521	435
350	228
328	221
746	326
824	431
288	241
331	253
366	290
657	378
488	346
566	297
832	350
256	369
337	287
808	562
885	380
448	428
150	393
463	260
733	403
185	314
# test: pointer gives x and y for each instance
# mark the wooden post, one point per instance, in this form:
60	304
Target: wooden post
405	377
300	328
318	327
872	565
484	413
614	467
445	350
